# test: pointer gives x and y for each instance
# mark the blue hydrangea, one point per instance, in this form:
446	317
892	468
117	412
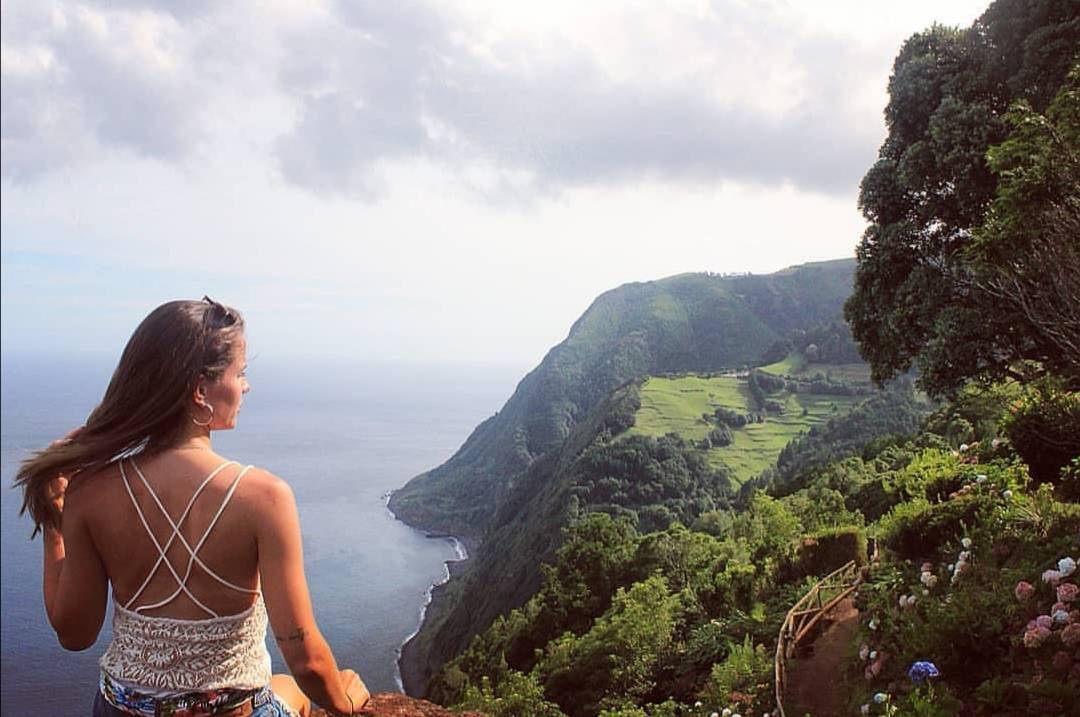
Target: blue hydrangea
921	671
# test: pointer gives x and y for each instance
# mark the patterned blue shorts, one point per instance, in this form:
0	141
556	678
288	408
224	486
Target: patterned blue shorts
263	703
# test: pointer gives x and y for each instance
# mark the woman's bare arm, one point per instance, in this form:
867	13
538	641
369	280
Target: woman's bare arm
288	602
75	584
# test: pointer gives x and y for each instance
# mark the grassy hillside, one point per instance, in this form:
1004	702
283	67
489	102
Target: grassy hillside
676	405
689	322
795	365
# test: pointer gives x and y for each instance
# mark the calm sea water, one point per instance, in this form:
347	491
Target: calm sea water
342	435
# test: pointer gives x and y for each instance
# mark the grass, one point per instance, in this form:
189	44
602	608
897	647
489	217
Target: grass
676	405
791	364
795	365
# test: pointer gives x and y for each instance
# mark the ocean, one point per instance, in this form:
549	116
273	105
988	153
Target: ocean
343	436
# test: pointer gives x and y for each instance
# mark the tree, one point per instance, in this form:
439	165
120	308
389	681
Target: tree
1027	252
917	296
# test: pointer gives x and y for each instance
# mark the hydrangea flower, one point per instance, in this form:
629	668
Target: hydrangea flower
1066	566
1024	591
921	671
1067	592
1060	617
1051	577
1036	636
1070	636
1044	621
881	698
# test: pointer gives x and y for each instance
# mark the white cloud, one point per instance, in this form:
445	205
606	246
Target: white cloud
557	95
511	162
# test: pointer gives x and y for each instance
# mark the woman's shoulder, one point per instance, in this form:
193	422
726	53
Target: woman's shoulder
268	489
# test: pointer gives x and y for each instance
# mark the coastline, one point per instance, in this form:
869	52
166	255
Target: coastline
409	679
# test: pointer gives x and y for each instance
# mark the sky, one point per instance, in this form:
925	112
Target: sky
419	182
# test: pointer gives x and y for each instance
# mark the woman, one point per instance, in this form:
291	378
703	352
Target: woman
199	550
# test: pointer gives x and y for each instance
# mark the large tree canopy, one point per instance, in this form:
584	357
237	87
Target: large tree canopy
960	180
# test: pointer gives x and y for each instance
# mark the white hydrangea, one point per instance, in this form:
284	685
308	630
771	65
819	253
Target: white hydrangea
1066	567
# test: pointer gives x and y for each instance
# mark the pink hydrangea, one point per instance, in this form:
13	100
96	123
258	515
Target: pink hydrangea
1044	621
1024	591
1067	592
1052	577
1036	636
1070	636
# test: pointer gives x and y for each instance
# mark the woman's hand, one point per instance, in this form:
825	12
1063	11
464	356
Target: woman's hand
356	690
54	491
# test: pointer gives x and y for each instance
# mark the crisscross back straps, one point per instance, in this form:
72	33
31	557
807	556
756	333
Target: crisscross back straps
193	557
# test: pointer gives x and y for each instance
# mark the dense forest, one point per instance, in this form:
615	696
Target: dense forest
632	567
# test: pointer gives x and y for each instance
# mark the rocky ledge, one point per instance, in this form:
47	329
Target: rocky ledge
396	704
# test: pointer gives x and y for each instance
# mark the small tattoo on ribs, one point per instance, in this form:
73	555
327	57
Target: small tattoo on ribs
297	635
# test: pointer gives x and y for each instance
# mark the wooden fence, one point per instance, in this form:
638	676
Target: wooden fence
805	615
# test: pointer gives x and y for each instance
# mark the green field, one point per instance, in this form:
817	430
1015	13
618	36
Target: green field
676	405
795	365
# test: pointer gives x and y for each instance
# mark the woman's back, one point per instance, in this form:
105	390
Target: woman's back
130	555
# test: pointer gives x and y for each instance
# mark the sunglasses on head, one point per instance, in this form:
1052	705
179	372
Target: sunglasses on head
219	315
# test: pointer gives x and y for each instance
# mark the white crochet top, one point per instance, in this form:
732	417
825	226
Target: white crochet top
163	654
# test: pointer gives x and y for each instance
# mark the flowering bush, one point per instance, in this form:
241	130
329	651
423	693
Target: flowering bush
997	629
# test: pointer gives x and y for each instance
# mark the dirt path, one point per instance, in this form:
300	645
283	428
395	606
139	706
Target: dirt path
812	679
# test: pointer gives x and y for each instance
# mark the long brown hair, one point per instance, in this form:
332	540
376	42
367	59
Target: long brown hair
146	404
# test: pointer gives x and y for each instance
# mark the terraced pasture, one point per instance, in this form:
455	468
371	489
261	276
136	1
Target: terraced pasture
676	405
796	366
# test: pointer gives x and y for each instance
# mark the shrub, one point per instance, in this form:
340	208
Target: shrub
822	552
1044	428
720	436
515	695
919	528
747	670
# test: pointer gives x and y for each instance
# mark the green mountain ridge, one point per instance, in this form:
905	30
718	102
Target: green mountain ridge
687	322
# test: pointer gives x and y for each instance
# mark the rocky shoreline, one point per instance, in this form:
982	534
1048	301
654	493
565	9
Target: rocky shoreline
412	679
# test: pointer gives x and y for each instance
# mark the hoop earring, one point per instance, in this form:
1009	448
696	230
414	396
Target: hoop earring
208	420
